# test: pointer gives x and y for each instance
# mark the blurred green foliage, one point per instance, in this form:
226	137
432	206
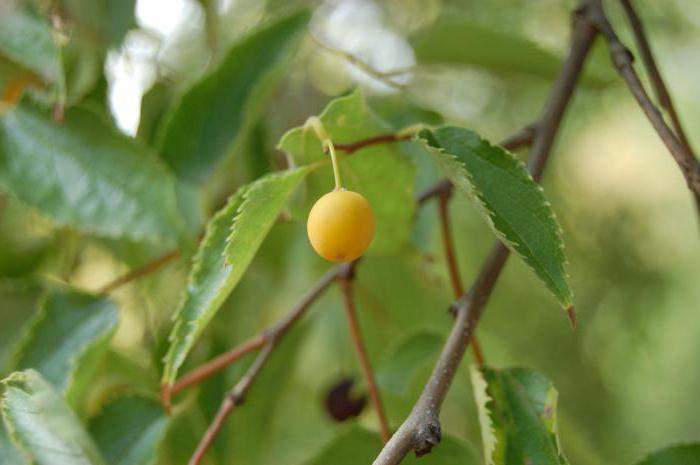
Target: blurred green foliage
627	378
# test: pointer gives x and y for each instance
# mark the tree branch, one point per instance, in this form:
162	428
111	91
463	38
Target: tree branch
381	139
345	281
143	270
271	338
217	364
385	77
421	430
452	265
268	339
623	60
662	93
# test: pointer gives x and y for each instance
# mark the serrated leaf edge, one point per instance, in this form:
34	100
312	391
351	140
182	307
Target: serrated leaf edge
239	200
195	275
482	400
257	185
475	194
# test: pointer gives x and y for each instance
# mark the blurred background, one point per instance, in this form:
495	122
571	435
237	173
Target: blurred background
628	377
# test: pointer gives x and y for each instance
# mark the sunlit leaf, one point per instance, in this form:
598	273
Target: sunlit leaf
129	430
233	237
517	412
42	423
215	114
514	205
378	172
26	38
69	332
84	174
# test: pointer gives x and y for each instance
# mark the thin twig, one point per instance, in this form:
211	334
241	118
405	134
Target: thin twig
345	281
662	93
143	270
384	77
453	267
421	430
623	60
271	337
381	139
219	363
522	138
234	397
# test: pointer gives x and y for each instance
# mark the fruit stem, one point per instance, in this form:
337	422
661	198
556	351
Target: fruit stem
334	161
327	145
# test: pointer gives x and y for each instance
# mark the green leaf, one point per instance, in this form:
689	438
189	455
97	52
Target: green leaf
514	205
129	430
355	445
215	114
84	174
43	425
232	238
69	331
682	454
378	172
26	38
107	21
461	41
517	412
398	370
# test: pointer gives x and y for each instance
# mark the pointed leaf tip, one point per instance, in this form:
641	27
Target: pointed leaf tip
571	315
513	204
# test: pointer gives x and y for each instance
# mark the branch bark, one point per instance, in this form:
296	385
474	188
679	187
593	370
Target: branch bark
268	340
271	337
623	60
421	431
453	266
143	270
662	93
345	281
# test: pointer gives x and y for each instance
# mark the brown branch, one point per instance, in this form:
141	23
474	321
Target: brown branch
345	281
623	60
143	270
420	432
219	363
520	139
452	265
271	338
234	397
272	335
662	93
380	139
385	77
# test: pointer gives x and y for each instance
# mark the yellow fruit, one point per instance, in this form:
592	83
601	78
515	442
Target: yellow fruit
340	226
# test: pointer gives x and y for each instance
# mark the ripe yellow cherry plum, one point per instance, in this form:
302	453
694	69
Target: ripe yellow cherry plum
341	225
